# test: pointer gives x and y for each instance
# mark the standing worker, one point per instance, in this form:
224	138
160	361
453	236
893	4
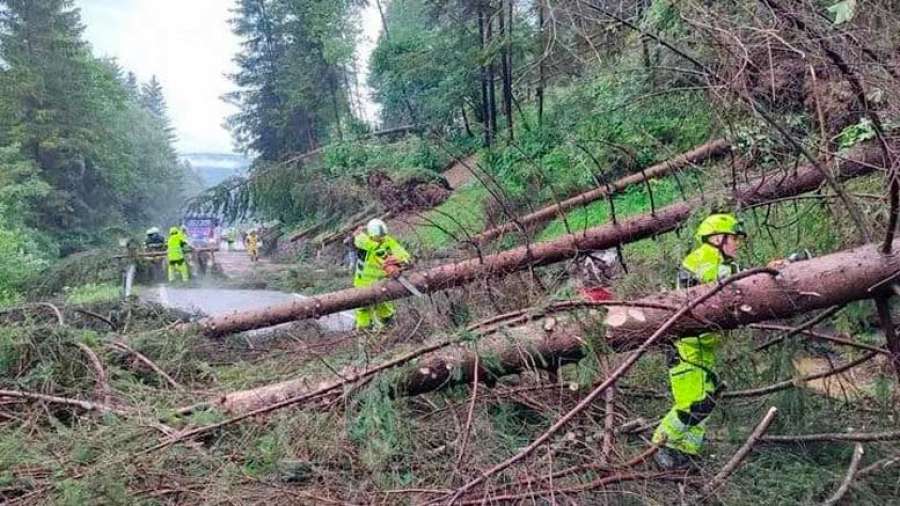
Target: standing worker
692	360
154	241
378	256
251	243
176	248
229	239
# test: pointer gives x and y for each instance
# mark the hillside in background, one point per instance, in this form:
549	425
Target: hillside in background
214	168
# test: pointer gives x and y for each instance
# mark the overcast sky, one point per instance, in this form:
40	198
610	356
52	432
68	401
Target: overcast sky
189	46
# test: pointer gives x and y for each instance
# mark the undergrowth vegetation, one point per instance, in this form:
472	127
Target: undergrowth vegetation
625	127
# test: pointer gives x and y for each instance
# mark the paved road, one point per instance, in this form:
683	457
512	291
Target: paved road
217	301
237	264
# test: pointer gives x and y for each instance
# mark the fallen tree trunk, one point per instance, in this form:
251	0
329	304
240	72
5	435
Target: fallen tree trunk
163	254
860	161
356	221
307	231
521	348
798	289
699	154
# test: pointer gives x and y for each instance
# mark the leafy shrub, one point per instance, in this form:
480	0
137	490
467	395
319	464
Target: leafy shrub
95	266
92	293
21	258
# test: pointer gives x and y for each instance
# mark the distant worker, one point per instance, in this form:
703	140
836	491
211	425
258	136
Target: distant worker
177	247
692	360
154	241
251	243
229	239
378	255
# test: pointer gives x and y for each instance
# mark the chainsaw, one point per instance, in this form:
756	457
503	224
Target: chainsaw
394	270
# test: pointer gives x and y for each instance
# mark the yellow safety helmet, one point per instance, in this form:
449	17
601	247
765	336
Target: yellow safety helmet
174	230
716	224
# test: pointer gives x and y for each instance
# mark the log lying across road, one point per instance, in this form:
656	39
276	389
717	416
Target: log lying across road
712	149
862	160
799	287
163	253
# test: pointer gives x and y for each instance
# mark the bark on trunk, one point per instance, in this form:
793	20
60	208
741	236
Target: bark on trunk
462	111
485	99
801	287
540	86
492	76
699	154
518	349
334	104
506	65
357	220
860	161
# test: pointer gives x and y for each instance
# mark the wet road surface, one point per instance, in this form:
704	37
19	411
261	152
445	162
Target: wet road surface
219	301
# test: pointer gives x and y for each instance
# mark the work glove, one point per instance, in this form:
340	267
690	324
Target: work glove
393	268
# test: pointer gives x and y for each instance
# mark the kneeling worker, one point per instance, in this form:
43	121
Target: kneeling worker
378	255
176	247
692	360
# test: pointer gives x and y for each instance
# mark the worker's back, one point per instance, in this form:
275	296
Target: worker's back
175	247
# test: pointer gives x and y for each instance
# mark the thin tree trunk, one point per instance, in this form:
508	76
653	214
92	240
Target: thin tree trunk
492	75
492	100
540	87
352	108
506	62
337	110
462	111
485	98
699	154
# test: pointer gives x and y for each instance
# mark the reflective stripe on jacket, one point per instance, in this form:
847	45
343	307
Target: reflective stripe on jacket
371	255
705	264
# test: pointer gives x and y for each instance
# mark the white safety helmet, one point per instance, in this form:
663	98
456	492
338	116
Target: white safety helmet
376	228
152	230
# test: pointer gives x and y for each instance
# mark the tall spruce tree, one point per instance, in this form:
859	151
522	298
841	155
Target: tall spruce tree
291	79
153	99
106	161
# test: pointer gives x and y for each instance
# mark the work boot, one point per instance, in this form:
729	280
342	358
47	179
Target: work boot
670	459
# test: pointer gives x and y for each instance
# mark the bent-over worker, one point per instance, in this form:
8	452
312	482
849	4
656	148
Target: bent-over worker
378	255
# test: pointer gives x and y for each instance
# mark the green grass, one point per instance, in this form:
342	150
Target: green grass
460	215
634	200
92	293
